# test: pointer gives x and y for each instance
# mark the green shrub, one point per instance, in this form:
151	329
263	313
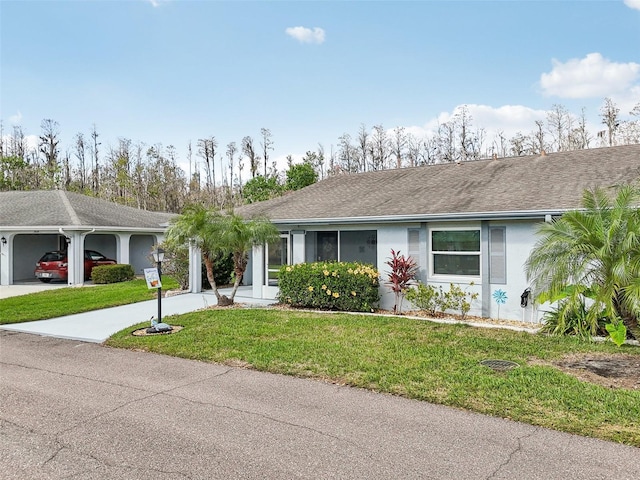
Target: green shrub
222	271
345	286
571	317
112	273
436	301
175	263
458	299
426	297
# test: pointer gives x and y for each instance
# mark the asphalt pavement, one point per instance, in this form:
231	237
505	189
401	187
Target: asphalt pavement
71	409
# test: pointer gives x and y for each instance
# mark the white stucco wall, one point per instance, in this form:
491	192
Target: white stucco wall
520	239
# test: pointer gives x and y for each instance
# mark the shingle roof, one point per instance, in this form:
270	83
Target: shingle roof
551	182
60	208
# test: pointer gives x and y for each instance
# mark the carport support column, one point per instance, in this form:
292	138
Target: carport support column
123	248
258	270
75	256
5	260
195	269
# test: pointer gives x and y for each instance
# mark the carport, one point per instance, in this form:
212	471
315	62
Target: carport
34	222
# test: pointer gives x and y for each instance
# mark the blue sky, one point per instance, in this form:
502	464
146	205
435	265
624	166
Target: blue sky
171	71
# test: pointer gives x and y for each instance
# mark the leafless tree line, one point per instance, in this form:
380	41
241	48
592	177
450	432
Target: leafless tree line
150	177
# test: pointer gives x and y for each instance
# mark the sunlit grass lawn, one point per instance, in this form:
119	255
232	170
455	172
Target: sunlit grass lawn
413	358
66	301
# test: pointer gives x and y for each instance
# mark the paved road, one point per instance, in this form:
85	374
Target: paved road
71	409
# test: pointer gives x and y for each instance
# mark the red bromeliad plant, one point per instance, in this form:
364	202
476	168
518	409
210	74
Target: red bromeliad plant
401	277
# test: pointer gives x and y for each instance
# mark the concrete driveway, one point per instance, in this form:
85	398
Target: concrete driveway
80	410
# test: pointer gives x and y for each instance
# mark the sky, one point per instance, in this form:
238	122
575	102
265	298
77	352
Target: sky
174	71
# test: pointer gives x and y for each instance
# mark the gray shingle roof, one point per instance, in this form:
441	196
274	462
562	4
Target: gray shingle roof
60	208
547	183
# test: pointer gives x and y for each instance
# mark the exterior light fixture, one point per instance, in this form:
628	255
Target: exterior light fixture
158	326
3	240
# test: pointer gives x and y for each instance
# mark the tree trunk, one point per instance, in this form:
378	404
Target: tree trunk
223	300
239	267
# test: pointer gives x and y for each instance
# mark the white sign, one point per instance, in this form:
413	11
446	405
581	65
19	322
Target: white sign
152	278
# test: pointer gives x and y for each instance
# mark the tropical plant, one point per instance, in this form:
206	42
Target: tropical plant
218	235
201	226
597	248
237	236
401	277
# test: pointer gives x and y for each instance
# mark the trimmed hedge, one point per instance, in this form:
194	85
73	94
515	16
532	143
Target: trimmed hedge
112	273
345	286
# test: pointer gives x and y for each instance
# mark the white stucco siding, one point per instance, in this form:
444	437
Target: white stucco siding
390	237
520	239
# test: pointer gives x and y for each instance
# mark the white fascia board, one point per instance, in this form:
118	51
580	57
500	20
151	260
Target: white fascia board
76	228
517	215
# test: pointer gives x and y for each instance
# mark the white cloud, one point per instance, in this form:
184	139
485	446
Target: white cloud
635	4
591	76
156	3
16	119
306	35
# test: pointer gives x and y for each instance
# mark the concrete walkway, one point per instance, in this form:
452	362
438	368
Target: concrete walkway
98	325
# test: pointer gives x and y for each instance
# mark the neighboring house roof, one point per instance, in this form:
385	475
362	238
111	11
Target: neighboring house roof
42	208
503	187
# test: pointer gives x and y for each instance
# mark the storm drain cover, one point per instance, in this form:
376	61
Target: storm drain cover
499	365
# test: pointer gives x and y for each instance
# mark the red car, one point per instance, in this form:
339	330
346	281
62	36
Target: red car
53	265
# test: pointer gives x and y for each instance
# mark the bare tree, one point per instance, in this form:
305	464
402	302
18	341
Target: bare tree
399	145
49	147
579	137
537	140
267	144
80	153
518	144
346	153
319	165
559	125
95	177
610	115
363	147
249	150
18	143
207	151
231	152
379	148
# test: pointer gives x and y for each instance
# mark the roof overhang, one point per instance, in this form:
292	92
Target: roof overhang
449	217
80	228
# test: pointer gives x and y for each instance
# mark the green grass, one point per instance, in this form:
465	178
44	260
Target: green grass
66	301
416	359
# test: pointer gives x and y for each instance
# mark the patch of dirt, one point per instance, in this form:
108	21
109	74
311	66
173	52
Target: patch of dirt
617	370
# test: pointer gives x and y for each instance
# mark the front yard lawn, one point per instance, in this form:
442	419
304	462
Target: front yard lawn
412	358
67	301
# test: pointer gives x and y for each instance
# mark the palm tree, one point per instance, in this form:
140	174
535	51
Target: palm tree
594	251
237	238
202	227
215	233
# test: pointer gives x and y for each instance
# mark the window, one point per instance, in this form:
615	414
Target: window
347	246
277	255
455	252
